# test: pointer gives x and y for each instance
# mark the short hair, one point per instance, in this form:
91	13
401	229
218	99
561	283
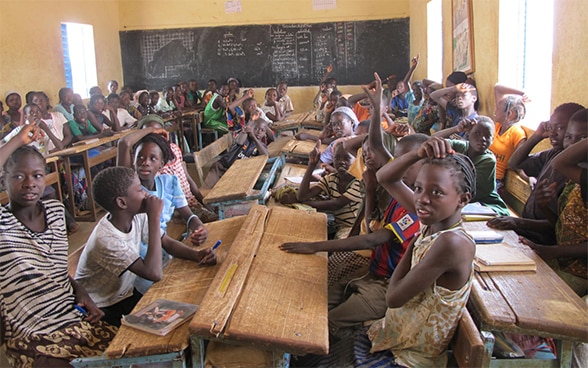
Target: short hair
248	100
580	116
94	99
462	170
77	108
20	152
111	183
282	82
159	140
63	91
94	90
213	81
28	107
269	90
153	92
337	93
112	97
568	108
29	96
457	77
412	141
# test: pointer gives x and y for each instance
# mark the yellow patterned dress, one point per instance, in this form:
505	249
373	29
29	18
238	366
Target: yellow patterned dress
418	332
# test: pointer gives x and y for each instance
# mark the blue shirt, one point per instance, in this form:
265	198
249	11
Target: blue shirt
167	187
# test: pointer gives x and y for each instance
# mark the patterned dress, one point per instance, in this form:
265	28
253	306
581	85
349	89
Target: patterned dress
418	332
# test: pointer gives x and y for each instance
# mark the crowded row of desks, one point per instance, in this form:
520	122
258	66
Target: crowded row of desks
257	295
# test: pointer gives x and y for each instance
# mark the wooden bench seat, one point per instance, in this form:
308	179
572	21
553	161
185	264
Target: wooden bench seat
207	155
467	344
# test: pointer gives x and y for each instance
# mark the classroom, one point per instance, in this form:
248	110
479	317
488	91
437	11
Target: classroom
32	59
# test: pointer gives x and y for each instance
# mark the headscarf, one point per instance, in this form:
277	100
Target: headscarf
349	113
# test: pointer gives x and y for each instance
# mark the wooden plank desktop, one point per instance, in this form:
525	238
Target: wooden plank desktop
272	299
238	182
301	148
183	281
533	303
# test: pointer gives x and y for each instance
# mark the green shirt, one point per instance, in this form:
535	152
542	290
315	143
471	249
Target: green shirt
77	130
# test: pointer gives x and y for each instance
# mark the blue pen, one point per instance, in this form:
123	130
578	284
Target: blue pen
81	310
216	245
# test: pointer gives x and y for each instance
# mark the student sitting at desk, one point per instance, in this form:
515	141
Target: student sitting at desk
430	286
125	119
125	103
270	106
248	143
480	134
65	104
535	211
111	260
41	325
53	120
284	102
193	97
343	122
96	108
81	128
465	96
215	116
211	89
341	189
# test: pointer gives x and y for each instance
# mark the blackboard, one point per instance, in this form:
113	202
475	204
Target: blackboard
262	55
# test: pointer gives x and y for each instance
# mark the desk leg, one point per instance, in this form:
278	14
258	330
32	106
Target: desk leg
488	339
90	196
197	347
70	189
564	352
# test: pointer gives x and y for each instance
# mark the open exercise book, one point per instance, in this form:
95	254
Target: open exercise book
160	317
501	257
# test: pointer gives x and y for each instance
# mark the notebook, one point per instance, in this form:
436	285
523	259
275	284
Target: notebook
477	209
160	317
501	257
486	236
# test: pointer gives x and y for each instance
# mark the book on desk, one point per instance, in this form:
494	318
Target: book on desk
160	317
477	212
501	257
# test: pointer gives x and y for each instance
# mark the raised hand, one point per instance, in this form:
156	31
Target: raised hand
435	147
315	154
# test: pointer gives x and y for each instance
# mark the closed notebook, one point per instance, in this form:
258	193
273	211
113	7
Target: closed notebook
501	257
160	317
477	212
486	236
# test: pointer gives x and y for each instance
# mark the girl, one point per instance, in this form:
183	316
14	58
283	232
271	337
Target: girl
125	103
270	107
144	107
430	286
53	120
14	102
96	107
65	105
38	299
81	128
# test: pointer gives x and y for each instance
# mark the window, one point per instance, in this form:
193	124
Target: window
435	41
79	57
525	53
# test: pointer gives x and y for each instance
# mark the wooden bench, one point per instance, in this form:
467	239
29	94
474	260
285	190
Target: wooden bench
516	191
467	344
207	155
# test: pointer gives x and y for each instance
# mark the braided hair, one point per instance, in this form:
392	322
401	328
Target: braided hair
462	169
167	153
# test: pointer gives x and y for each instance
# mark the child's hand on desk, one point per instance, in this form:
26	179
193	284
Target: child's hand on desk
199	236
95	314
503	223
546	252
302	248
208	257
106	133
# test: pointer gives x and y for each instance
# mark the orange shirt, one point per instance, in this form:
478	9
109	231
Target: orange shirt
504	145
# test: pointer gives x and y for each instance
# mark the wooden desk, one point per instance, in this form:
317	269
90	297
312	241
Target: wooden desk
263	296
300	148
532	303
290	170
182	281
236	185
275	148
293	122
88	164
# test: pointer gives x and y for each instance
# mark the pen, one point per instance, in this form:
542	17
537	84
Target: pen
81	310
216	245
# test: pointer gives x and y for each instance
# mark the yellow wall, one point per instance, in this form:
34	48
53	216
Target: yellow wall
30	42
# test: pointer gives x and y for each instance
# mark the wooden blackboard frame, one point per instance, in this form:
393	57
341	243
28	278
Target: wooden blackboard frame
262	55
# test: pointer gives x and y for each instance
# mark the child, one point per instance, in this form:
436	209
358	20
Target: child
41	326
430	286
14	102
215	111
480	134
94	91
538	165
111	261
144	106
466	96
153	124
96	108
194	98
65	105
284	102
211	89
429	116
343	122
248	143
402	97
271	107
47	138
125	103
179	98
112	86
166	105
153	101
509	135
125	119
54	120
81	128
341	189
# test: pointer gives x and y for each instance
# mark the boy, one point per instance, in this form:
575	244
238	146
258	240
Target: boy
480	134
403	96
248	143
284	102
124	118
215	112
539	165
466	96
194	97
110	262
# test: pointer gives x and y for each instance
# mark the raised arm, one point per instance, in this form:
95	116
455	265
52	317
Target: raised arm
305	192
375	139
28	134
439	96
500	91
414	62
248	94
522	152
150	266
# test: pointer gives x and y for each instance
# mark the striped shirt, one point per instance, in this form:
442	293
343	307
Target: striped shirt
36	294
346	215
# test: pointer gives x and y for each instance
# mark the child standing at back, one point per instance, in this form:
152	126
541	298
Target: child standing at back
41	325
430	286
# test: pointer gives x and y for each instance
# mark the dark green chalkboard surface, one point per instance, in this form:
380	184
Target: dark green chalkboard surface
261	55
